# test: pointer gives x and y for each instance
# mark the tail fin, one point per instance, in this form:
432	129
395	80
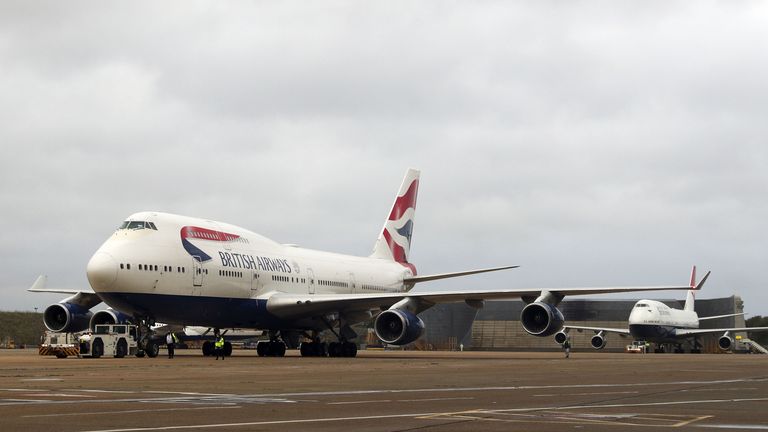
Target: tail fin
394	242
691	293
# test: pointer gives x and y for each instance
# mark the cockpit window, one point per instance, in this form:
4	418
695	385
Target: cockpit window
137	225
639	305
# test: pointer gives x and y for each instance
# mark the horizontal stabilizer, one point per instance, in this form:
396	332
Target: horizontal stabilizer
417	279
720	316
701	282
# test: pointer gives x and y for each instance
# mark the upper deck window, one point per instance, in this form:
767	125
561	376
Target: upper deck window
138	225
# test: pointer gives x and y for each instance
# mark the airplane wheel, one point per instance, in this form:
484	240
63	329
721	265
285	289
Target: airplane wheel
61	355
334	349
207	349
262	348
97	349
227	349
140	353
277	348
349	349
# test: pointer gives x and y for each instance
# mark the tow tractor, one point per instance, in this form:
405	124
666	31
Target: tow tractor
117	340
61	345
637	347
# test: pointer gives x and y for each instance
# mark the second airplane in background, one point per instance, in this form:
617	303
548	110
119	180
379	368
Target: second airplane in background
653	321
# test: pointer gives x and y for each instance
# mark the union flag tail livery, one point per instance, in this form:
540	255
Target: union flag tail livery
394	242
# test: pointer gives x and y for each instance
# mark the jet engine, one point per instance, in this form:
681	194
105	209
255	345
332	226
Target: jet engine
108	316
561	337
541	319
66	317
598	341
398	327
725	342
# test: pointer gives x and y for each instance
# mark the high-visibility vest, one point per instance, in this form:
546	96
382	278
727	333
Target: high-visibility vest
220	343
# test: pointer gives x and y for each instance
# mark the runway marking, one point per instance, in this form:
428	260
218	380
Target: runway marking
263	423
470	415
43	379
129	411
278	397
100	391
585	394
360	402
398	400
735	426
57	395
560	417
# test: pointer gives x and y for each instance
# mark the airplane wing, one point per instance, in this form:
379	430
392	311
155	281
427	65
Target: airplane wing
83	298
598	329
694	332
291	305
720	316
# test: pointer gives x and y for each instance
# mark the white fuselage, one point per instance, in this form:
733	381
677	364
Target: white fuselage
653	320
192	271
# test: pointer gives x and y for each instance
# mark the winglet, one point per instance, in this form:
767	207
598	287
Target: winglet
701	282
693	277
39	284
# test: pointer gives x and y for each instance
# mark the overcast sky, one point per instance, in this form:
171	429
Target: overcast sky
592	143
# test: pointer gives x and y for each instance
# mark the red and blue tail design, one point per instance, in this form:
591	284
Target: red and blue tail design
193	232
394	242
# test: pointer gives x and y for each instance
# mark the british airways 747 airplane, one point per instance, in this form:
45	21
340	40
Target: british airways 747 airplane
160	267
653	321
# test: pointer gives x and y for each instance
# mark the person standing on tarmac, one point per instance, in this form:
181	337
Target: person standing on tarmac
567	347
170	340
219	347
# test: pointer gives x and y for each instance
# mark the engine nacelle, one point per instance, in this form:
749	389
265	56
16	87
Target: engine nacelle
541	319
398	327
66	317
598	341
108	316
725	342
561	337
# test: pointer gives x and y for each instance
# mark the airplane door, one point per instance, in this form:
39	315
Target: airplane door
197	275
352	284
310	281
254	283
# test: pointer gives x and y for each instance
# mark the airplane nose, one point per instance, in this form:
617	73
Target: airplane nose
101	271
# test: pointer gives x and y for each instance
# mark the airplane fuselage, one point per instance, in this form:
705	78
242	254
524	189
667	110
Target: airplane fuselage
654	321
184	270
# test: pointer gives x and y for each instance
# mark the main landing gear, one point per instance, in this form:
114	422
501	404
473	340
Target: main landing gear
209	347
272	348
316	348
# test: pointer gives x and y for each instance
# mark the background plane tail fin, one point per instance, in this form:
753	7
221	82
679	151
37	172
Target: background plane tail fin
394	242
691	298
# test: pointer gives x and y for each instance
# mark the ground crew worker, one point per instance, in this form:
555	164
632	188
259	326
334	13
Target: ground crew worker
171	340
567	347
219	347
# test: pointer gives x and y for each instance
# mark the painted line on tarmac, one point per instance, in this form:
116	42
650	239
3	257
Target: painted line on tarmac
266	423
585	394
277	396
129	411
398	400
433	416
735	426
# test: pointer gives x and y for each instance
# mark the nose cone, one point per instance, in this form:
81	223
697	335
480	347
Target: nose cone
102	271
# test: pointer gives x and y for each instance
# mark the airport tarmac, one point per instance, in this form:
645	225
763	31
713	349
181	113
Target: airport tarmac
384	391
